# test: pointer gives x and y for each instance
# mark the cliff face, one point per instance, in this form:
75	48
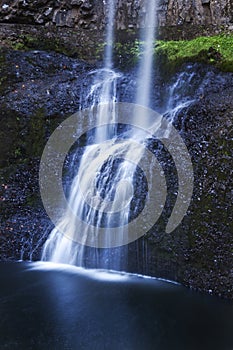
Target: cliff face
91	14
198	12
71	13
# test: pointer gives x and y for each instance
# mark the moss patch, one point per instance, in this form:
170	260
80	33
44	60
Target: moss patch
3	74
29	42
170	55
214	50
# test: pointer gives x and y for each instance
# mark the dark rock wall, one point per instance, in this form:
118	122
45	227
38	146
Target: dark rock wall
91	14
82	14
199	12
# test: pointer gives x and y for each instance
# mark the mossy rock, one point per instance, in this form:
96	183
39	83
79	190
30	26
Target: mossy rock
214	50
171	55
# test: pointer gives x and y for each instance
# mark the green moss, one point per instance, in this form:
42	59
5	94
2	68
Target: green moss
3	71
99	51
128	53
36	134
214	50
170	55
19	46
29	42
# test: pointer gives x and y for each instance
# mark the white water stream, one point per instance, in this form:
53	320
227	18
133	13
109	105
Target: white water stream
103	188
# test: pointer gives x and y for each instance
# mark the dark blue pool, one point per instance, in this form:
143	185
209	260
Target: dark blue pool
46	306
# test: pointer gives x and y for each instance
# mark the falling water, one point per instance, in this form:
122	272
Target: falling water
108	59
102	190
146	63
99	172
103	94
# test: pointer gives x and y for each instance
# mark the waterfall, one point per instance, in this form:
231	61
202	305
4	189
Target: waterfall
146	64
100	173
103	188
108	56
103	94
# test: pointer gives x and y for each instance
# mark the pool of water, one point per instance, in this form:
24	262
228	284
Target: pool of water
48	306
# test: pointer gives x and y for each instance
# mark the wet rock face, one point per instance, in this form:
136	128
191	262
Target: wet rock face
199	12
176	19
72	13
88	14
34	100
208	130
91	14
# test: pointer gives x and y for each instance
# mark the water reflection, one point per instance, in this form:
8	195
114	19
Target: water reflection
48	306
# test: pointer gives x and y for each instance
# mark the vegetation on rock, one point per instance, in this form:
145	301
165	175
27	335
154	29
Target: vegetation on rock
215	50
170	55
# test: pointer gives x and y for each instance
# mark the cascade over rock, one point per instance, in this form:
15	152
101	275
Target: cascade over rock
39	89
